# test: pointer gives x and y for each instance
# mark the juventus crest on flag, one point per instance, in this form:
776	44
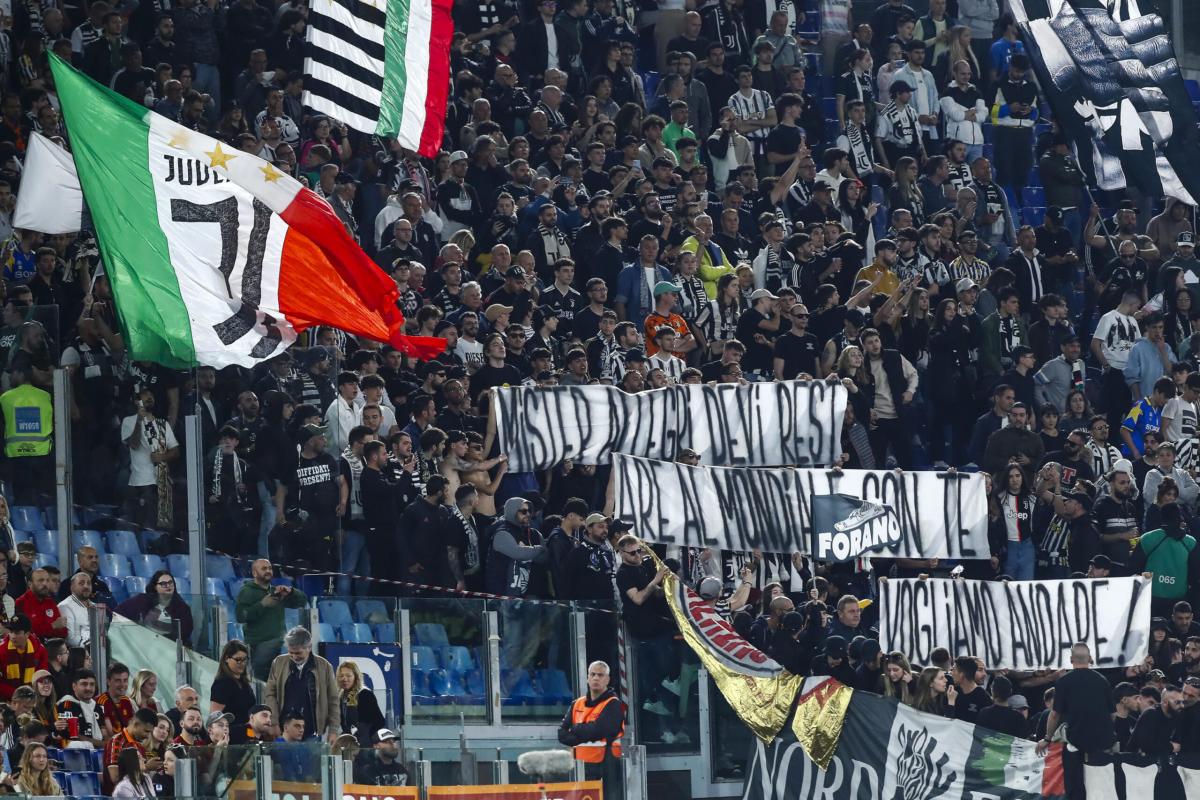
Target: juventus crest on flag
1112	80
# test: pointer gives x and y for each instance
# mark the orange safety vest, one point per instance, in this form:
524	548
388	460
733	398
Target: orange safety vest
593	752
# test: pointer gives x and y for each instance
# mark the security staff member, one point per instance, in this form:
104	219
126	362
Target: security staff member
28	417
594	726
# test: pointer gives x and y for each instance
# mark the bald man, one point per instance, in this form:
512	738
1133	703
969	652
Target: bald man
260	606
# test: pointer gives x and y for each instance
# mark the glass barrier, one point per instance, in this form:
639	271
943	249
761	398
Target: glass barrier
296	762
449	661
222	770
731	739
536	660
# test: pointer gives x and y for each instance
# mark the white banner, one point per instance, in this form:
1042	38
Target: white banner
939	514
1022	625
756	425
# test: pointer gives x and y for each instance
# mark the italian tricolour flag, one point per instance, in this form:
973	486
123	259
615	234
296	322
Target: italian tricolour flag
215	256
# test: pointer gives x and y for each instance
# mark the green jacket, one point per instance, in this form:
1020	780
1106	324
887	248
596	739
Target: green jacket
264	623
989	351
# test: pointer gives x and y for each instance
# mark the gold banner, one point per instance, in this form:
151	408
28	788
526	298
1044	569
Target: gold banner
758	688
819	718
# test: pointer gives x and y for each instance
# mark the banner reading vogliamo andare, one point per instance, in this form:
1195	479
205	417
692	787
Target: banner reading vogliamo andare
756	425
940	514
1022	625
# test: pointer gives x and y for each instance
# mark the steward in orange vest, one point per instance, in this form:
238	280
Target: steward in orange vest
595	722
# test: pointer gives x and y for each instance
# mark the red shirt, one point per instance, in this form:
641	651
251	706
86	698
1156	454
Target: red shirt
17	666
112	749
43	613
118	712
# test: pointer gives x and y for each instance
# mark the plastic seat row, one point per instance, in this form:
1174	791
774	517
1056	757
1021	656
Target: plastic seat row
518	687
338	612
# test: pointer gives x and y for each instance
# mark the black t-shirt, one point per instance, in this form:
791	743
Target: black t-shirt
652	618
313	484
799	352
489	377
1073	471
784	140
1003	719
1083	700
1113	516
1123	728
968	706
238	699
758	356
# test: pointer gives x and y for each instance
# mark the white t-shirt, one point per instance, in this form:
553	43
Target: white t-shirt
1117	332
141	470
470	352
1174	411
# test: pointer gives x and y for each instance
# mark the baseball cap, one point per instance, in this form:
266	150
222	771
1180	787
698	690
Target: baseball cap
216	717
595	517
619	526
898	87
1186	238
458	155
663	287
822	185
1123	465
1081	498
495	310
385	734
309	431
968	233
1055	213
709	587
759	294
965	285
835	647
258	708
515	272
1102	561
24	692
1018	702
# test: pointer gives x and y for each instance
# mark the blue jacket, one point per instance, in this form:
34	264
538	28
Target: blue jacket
635	294
1144	366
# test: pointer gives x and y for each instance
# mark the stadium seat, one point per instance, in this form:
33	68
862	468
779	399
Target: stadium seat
473	683
335	612
114	566
229	605
135	584
370	611
235	631
21	536
516	689
46	541
292	618
555	688
1193	89
183	585
423	658
1034	196
123	543
430	634
145	566
83	784
458	659
447	686
650	83
179	566
87	538
119	592
829	107
421	695
357	632
76	760
26	518
214	587
1033	215
219	566
233	586
45	560
384	632
326	632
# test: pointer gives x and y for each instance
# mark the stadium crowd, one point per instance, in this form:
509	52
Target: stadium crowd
636	195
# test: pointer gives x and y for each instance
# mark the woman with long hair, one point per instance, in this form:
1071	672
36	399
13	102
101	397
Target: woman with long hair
1017	503
724	311
959	49
232	125
852	372
915	327
629	122
232	691
857	212
45	702
159	739
36	779
337	141
904	192
1079	412
932	692
1177	305
132	778
141	691
951	380
160	608
360	709
898	676
584	128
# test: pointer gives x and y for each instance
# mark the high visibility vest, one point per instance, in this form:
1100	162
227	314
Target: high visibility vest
593	752
28	421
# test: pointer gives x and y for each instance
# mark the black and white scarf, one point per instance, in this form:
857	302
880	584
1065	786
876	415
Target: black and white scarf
554	242
859	147
218	469
693	299
470	556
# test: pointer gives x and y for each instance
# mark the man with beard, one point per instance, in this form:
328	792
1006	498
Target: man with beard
383	764
654	222
379	497
1126	223
418	547
1127	273
191	729
1189	667
562	297
1117	520
606	263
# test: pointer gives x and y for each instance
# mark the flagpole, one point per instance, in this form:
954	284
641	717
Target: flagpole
1100	218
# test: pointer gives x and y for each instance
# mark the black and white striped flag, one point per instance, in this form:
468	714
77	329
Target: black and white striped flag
381	67
1111	78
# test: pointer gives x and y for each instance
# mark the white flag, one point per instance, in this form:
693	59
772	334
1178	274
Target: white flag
50	200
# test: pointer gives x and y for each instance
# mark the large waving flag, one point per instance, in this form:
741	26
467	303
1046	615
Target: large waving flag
381	67
1116	89
215	256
